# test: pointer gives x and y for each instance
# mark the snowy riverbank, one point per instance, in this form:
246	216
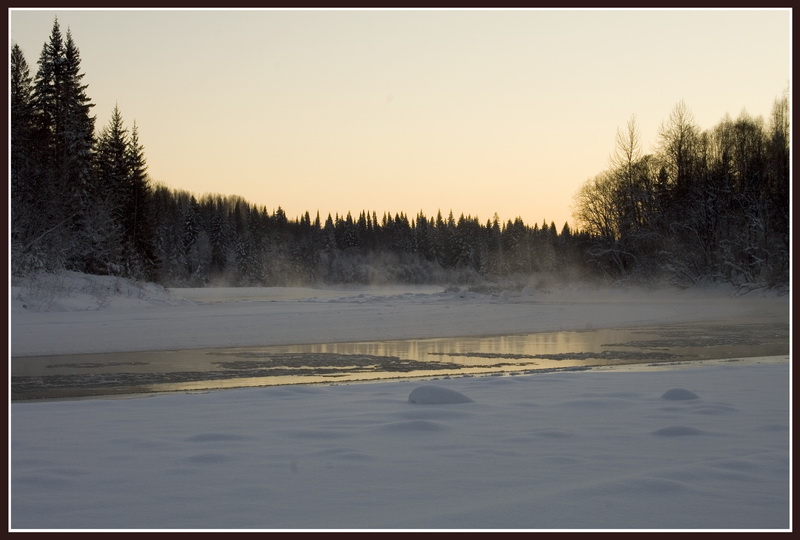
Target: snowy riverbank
78	314
582	450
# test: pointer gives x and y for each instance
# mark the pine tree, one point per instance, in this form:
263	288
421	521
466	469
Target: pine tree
112	158
78	128
191	231
22	118
67	138
110	193
23	165
140	223
218	236
47	94
121	200
51	239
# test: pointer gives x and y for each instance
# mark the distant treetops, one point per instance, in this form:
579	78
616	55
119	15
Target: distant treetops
706	205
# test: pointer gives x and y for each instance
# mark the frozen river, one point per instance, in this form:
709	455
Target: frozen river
86	375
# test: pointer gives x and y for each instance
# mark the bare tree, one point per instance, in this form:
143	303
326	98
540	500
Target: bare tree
678	140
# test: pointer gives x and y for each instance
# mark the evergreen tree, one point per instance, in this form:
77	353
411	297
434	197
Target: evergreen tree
48	94
191	232
139	223
122	192
111	193
29	218
329	235
112	159
165	212
78	128
22	120
218	237
67	137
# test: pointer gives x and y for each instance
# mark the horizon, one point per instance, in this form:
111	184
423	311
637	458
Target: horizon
344	112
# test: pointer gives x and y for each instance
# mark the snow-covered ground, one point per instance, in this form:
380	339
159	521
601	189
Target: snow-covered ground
75	314
600	449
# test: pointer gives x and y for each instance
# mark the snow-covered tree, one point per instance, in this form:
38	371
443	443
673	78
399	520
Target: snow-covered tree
138	223
67	138
28	214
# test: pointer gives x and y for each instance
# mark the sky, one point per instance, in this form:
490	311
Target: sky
471	111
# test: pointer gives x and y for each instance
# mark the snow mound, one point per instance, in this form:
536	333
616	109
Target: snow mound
677	394
436	395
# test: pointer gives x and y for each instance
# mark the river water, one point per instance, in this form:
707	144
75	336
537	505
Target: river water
136	373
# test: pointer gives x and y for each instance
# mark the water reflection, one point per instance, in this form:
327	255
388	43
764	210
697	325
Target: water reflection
191	370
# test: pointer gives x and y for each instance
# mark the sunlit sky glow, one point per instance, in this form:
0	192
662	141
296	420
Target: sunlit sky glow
474	111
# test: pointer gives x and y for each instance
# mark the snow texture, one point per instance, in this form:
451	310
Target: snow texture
436	395
568	451
679	394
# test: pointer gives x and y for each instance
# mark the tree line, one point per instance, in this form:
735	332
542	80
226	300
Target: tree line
705	205
224	238
79	200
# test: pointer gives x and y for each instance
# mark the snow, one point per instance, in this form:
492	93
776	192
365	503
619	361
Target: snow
697	446
436	395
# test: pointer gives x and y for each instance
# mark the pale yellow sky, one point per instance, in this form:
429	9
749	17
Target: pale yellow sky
473	111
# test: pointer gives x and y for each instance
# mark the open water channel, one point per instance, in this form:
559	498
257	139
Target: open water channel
87	375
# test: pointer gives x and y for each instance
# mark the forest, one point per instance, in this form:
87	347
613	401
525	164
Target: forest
704	206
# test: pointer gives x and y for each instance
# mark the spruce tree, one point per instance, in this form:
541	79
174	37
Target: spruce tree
112	192
47	94
123	193
78	128
28	217
190	231
48	186
22	116
140	220
112	160
66	137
